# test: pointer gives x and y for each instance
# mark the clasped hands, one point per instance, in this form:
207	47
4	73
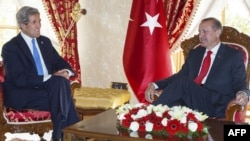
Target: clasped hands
63	73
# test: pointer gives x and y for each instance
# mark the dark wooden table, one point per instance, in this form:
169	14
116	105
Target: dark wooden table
104	127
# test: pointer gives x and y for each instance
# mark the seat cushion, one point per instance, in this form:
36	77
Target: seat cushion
26	116
102	98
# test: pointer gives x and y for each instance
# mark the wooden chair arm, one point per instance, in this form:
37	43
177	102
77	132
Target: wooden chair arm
233	108
74	85
157	94
1	105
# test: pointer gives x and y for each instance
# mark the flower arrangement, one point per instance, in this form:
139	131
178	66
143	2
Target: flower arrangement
162	120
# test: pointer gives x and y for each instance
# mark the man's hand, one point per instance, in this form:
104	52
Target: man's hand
149	93
241	98
63	73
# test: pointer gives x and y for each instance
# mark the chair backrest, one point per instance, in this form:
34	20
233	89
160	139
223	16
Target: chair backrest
229	36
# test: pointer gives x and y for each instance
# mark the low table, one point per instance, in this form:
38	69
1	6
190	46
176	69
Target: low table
104	127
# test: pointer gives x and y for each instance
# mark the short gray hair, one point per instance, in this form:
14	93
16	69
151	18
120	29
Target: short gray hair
22	16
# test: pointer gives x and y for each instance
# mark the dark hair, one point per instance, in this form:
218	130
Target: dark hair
216	23
23	14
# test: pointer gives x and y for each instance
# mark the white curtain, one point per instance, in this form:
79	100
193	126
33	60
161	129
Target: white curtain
46	28
213	8
205	8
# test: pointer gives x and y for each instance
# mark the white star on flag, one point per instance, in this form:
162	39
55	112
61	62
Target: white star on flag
151	22
146	55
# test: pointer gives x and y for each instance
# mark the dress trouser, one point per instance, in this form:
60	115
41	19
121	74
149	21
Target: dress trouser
55	96
185	92
63	112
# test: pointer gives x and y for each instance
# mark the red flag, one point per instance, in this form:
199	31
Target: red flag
146	56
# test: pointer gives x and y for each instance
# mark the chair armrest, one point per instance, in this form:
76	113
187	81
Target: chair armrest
235	112
1	105
74	85
157	94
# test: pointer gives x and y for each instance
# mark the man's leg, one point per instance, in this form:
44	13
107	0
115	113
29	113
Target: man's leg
185	92
62	108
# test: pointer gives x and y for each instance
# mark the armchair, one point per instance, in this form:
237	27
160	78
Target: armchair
25	120
236	40
240	41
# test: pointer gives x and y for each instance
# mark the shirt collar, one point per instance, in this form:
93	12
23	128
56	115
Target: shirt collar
26	38
215	49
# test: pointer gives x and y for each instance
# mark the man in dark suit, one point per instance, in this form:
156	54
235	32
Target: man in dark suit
225	80
27	86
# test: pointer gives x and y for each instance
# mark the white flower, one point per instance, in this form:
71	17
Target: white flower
124	109
148	136
200	116
160	108
134	126
141	113
179	113
164	122
192	126
121	116
149	126
139	105
176	113
134	134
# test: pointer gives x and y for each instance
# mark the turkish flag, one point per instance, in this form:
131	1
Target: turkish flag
146	56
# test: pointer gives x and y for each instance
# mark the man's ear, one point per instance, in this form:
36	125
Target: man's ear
22	26
218	33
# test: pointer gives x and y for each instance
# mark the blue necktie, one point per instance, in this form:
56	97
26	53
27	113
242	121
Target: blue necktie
37	58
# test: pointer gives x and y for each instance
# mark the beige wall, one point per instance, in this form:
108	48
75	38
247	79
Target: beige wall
101	38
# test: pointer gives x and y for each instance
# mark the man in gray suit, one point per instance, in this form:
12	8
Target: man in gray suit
225	80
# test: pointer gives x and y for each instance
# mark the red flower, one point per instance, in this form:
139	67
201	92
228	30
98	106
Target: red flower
142	123
157	124
173	126
127	121
200	126
191	116
184	128
166	114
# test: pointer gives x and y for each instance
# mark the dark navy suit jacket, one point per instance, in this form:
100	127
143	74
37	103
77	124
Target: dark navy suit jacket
226	77
21	79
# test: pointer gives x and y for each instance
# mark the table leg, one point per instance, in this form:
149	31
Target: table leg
67	137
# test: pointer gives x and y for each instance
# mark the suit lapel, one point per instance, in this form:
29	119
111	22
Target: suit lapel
24	48
198	60
217	61
43	46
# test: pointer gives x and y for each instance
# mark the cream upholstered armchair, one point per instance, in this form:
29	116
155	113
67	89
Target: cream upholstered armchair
236	40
